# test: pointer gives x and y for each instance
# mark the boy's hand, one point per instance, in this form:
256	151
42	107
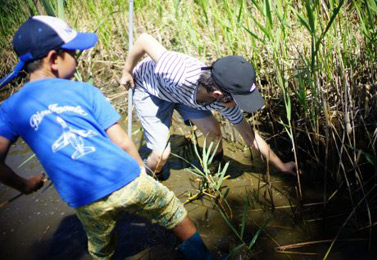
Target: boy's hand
34	183
127	80
289	168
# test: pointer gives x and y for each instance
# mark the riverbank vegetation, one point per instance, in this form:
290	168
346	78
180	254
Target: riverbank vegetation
316	66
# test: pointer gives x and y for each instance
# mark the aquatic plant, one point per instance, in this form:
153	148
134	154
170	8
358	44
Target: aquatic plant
211	185
210	182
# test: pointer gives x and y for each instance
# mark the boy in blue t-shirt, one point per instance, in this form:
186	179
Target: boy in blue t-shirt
74	132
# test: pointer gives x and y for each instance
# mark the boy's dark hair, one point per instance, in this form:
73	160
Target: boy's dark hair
32	66
209	84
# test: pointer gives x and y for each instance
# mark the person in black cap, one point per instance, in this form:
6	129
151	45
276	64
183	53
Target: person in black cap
74	131
168	80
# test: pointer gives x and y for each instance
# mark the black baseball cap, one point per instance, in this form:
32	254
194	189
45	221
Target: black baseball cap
41	34
236	76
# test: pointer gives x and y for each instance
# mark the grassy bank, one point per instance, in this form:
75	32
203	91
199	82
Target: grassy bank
315	60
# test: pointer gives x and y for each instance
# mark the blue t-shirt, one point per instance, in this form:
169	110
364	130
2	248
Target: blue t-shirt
64	123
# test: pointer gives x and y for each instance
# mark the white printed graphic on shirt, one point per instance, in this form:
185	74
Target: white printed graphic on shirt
75	138
37	118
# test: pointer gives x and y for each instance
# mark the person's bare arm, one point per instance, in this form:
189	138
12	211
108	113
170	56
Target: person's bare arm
145	44
120	138
255	141
11	179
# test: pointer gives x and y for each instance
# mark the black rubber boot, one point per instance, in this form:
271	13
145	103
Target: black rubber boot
195	249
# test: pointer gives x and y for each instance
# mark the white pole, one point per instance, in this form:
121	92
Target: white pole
130	44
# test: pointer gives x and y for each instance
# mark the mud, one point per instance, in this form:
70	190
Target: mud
41	226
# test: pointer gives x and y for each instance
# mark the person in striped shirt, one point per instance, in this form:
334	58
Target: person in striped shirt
168	80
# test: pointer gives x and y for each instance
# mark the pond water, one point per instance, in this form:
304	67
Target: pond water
41	226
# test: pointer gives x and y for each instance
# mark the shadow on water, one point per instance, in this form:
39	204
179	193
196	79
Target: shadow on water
68	242
134	236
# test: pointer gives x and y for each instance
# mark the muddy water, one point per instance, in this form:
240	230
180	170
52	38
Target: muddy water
41	226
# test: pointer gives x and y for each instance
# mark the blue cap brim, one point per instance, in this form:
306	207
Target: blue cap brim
82	41
13	74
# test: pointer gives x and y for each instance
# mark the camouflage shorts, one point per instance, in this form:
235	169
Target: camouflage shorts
144	196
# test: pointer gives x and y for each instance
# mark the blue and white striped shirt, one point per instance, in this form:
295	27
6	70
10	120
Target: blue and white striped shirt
174	78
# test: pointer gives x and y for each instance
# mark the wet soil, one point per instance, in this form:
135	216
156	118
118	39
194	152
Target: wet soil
41	226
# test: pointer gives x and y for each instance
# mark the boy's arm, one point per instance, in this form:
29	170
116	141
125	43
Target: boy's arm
145	44
9	178
255	141
120	138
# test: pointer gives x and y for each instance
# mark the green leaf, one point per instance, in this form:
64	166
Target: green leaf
262	28
255	237
310	14
214	152
302	20
235	250
204	10
226	193
372	5
267	9
31	7
253	34
258	7
48	8
78	76
198	171
240	12
227	221
90	81
332	18
369	157
222	175
61	9
243	221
